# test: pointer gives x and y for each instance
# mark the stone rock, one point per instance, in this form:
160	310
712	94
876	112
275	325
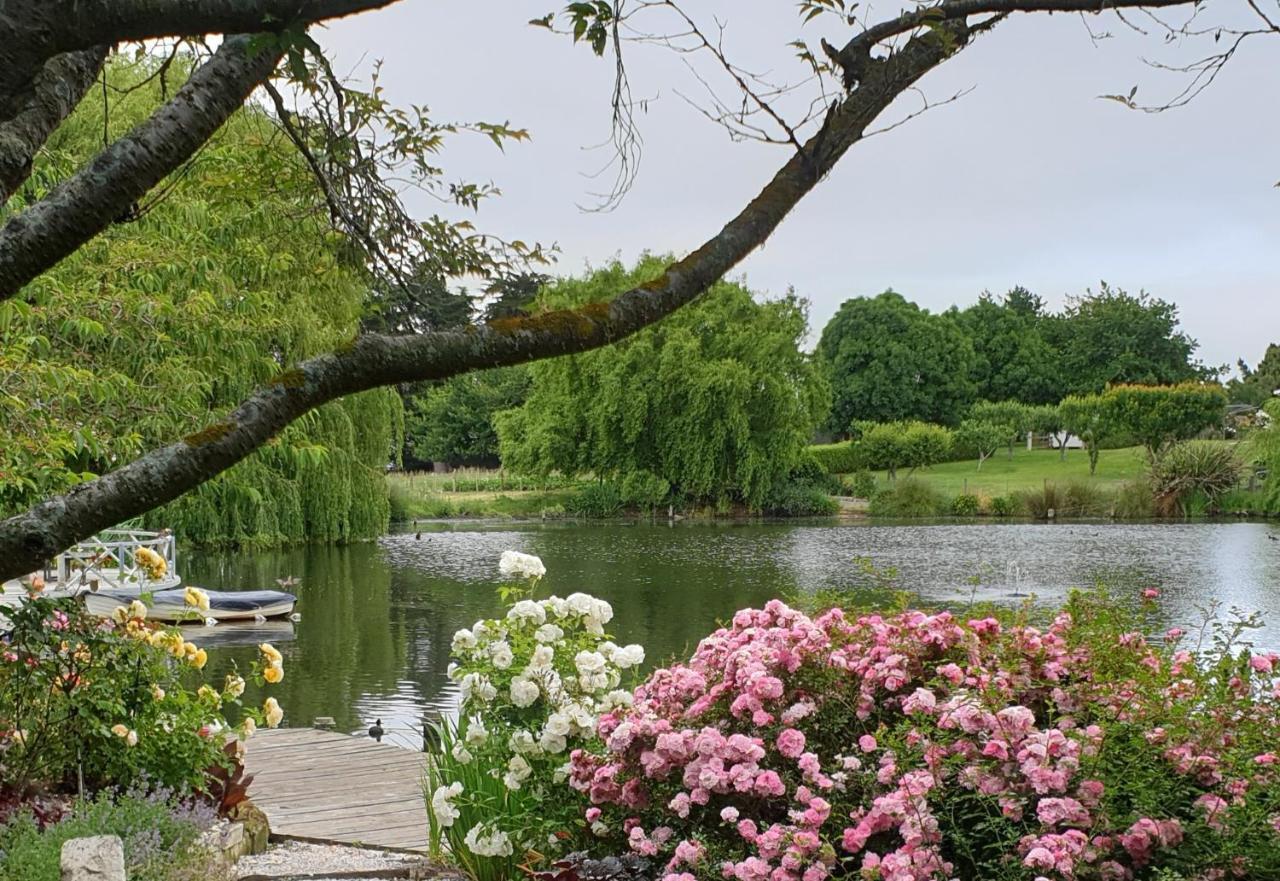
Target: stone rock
100	858
255	829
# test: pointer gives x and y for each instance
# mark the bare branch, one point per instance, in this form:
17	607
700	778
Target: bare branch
86	203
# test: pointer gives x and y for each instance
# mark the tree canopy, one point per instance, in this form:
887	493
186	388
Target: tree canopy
887	360
718	400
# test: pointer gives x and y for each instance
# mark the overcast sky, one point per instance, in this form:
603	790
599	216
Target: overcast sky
1028	180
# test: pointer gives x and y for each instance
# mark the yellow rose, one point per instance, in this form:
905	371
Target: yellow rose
206	693
157	692
177	647
234	687
199	658
119	614
194	596
120	730
138	610
271	709
273	674
269	654
248	726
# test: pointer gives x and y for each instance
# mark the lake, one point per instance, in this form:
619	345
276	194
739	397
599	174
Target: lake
377	619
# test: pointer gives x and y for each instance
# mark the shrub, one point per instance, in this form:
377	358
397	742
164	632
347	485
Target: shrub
925	444
1161	415
1003	506
1135	500
532	685
598	500
966	505
644	489
1205	468
842	458
102	700
918	746
794	499
1074	499
862	485
160	835
908	499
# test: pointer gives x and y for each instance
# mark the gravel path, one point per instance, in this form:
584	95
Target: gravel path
296	860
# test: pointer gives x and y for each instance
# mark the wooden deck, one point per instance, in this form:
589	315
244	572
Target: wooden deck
335	788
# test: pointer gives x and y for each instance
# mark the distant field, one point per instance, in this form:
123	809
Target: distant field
1001	475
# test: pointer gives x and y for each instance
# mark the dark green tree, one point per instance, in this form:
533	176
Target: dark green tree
888	359
453	421
1114	337
1012	358
718	401
1257	385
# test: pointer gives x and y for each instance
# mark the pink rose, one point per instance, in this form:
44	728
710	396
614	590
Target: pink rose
791	743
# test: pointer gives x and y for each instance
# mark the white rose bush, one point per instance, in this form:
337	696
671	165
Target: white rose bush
532	686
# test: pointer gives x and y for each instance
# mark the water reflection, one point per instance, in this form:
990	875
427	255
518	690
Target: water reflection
377	619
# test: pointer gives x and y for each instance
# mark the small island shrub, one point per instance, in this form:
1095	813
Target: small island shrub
908	498
1003	506
966	505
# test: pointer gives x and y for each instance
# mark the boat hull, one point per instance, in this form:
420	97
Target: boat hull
170	605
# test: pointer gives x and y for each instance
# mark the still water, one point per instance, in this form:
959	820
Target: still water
377	619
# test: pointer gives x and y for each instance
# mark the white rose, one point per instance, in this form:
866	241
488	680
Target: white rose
463	640
552	743
522	741
548	633
527	610
501	654
487	844
618	698
589	662
581	604
556	606
514	564
558	725
599	829
523	692
442	806
542	657
520	767
461	754
477	734
629	656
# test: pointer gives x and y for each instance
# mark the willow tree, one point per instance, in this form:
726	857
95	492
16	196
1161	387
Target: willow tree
717	402
182	311
52	51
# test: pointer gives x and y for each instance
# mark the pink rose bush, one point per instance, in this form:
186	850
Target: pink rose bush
922	746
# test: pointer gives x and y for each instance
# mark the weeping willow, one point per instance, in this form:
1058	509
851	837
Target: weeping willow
223	276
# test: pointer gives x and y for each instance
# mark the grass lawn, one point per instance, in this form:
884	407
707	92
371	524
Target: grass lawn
1001	475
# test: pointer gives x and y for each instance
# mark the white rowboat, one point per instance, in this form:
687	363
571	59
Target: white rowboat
171	605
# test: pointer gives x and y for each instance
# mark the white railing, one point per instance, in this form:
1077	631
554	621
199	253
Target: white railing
109	560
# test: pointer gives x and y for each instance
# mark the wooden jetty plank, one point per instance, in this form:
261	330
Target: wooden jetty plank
322	786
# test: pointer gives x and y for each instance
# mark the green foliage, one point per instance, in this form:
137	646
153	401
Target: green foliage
160	837
599	500
104	704
453	421
966	505
908	498
1003	506
153	331
1114	337
643	489
1201	470
925	444
718	399
861	485
983	436
888	360
893	445
1257	385
1075	498
1157	416
1013	357
1090	418
841	458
